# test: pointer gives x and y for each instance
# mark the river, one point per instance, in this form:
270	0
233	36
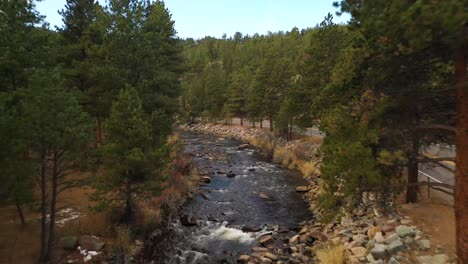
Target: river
244	191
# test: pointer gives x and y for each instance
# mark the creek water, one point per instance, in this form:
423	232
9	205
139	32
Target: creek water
256	194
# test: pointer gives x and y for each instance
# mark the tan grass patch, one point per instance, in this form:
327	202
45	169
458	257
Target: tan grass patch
329	253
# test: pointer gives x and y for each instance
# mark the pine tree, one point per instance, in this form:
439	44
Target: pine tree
133	165
83	53
15	166
59	142
17	44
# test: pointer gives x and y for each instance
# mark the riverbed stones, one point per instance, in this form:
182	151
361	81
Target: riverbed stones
251	229
379	238
404	231
294	240
395	247
372	231
391	237
205	179
302	188
243	259
243	146
270	256
359	251
405	221
424	244
379	251
259	249
265	239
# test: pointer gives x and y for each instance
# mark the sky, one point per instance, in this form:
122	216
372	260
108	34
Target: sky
200	18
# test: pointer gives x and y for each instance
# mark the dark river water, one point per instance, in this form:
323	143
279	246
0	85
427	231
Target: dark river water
260	195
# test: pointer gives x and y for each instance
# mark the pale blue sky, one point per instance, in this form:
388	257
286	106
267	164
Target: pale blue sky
199	18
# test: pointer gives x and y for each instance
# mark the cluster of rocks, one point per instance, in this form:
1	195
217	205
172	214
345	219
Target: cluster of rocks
87	246
365	239
292	245
379	239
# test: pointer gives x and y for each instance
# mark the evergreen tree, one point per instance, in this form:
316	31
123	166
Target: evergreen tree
15	166
133	165
83	53
59	142
18	43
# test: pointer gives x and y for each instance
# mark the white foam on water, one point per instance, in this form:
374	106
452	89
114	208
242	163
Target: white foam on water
220	232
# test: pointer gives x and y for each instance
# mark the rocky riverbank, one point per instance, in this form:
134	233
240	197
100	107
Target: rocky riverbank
364	236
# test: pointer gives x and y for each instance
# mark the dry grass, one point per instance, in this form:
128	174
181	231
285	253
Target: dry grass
98	224
123	239
329	253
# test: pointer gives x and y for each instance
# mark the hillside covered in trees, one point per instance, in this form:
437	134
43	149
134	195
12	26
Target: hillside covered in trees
101	95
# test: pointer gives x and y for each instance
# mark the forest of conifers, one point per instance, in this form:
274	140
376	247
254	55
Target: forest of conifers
105	90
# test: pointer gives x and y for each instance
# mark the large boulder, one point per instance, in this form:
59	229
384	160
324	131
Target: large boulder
69	242
91	243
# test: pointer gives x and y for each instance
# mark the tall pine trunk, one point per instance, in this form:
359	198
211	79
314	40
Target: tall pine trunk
20	212
43	181
98	129
271	123
53	208
461	173
128	203
261	122
413	172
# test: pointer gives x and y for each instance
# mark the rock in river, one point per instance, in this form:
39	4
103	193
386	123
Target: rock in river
188	220
266	239
251	229
302	188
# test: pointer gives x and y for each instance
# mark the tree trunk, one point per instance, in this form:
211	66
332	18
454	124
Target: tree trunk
261	122
98	129
20	213
53	208
271	123
291	130
43	250
413	172
461	172
241	121
128	204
